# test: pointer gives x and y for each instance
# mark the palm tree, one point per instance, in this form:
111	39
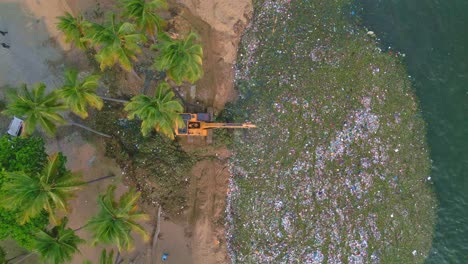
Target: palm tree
117	42
36	108
57	245
161	112
48	190
144	14
74	28
181	58
106	258
79	94
115	220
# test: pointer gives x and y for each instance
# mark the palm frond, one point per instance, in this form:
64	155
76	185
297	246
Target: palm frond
160	112
115	220
181	58
74	28
117	42
57	245
36	107
144	14
31	194
78	95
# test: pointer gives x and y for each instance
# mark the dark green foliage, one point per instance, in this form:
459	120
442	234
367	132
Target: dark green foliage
106	258
160	113
2	256
181	58
22	234
157	165
116	219
37	107
48	190
57	245
2	105
27	154
22	154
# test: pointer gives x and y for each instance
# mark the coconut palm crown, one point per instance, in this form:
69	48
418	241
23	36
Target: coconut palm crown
36	107
144	14
117	43
57	245
49	190
74	29
115	220
181	58
77	94
161	112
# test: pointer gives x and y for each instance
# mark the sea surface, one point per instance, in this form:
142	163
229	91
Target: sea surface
434	36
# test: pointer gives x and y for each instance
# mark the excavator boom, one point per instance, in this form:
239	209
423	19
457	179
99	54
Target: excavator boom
227	125
200	124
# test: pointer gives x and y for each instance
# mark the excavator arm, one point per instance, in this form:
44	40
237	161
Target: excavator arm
227	125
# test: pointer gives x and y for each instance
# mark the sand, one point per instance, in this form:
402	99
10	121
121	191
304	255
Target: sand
38	54
220	24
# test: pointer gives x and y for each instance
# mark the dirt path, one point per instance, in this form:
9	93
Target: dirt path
90	161
37	48
208	196
219	24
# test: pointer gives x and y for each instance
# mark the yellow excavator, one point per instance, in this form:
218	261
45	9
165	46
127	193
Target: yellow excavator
201	125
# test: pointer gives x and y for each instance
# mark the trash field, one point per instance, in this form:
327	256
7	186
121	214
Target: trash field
337	170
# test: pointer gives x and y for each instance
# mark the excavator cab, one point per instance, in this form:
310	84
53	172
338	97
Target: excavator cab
193	124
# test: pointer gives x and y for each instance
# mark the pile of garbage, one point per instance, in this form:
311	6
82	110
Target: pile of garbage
336	171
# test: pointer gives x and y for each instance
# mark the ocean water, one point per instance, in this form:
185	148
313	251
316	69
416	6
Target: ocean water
434	36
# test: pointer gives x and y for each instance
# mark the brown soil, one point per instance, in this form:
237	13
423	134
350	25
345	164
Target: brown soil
206	207
219	24
196	237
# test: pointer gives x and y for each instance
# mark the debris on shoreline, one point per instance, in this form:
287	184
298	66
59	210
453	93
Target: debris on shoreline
337	170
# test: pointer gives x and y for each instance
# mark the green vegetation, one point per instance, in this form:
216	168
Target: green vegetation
28	155
115	220
22	154
106	258
144	14
117	42
2	256
160	112
337	169
32	189
31	193
57	245
182	58
74	29
77	94
157	165
40	109
36	107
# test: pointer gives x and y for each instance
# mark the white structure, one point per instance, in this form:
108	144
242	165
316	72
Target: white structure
16	127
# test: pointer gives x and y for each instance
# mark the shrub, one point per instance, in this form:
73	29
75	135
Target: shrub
28	155
22	154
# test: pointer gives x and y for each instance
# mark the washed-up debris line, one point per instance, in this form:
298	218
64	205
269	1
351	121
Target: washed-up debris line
338	169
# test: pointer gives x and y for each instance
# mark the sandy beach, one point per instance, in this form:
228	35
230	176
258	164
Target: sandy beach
37	53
